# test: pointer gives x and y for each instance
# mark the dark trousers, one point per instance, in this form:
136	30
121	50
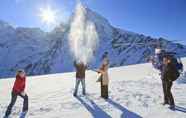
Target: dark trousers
168	97
104	90
12	103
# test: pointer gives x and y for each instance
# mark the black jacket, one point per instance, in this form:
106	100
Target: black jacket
170	72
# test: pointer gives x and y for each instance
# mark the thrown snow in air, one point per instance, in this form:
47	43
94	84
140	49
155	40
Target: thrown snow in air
83	37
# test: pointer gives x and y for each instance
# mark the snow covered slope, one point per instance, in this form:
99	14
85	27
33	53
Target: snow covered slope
39	52
135	92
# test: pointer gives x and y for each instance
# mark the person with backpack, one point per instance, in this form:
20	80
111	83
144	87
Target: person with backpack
80	76
158	63
18	90
104	77
170	74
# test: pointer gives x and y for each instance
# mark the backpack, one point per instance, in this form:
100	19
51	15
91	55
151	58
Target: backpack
178	67
176	75
178	64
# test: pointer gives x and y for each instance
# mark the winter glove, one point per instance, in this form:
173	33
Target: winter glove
23	93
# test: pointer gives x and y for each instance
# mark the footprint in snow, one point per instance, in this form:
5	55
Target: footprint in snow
42	109
70	105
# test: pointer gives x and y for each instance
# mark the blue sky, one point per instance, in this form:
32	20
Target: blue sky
157	18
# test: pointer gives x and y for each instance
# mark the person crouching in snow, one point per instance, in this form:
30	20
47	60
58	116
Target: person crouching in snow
104	78
18	90
80	76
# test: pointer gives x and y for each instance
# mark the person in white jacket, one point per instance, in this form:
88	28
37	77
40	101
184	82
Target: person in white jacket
104	77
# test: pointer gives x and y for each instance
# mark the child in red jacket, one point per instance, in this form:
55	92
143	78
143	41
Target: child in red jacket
18	90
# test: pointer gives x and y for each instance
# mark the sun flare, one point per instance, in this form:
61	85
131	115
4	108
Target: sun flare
48	15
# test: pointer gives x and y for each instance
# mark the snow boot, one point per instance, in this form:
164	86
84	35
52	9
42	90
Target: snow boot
75	95
165	103
22	115
6	117
172	107
84	93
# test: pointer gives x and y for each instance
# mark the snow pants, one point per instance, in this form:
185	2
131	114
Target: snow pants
13	101
168	97
104	90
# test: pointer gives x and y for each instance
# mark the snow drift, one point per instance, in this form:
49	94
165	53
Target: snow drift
135	92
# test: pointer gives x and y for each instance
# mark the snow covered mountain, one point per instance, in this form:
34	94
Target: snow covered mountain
135	92
20	47
39	52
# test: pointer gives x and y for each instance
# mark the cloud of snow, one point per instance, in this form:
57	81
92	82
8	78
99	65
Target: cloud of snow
83	37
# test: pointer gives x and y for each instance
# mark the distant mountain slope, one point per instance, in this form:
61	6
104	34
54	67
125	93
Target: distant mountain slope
39	52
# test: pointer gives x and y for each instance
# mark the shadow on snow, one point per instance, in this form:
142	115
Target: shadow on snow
97	112
181	109
125	113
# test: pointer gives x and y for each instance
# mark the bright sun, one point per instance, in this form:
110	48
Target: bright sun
48	15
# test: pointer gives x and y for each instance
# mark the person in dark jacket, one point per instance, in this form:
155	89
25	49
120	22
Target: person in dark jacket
80	76
169	74
18	90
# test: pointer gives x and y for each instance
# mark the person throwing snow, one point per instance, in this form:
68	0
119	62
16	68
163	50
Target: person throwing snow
80	76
